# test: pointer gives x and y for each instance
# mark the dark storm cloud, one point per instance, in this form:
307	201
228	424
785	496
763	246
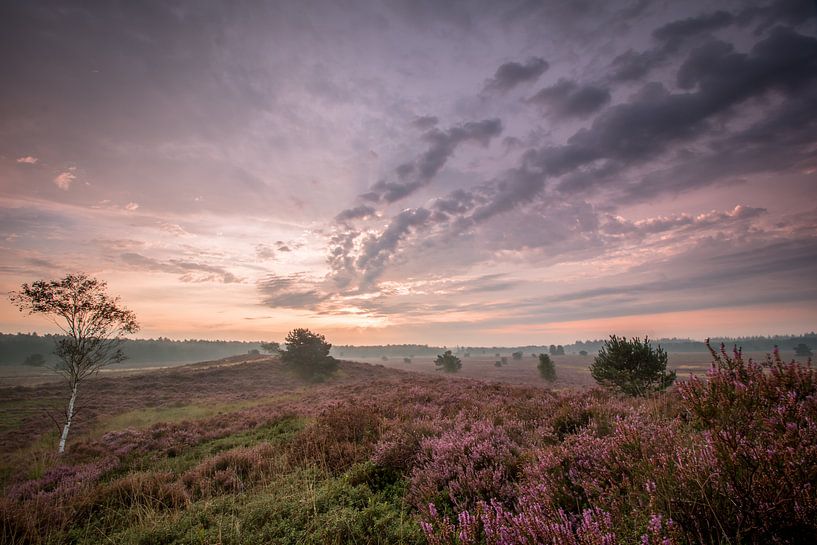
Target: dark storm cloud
569	99
743	153
190	271
677	31
511	74
632	65
292	291
719	79
441	146
790	12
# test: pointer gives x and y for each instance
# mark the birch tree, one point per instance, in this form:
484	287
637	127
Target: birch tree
93	324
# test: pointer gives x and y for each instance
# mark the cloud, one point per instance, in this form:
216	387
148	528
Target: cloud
63	180
657	225
632	65
714	265
717	79
28	160
264	252
441	146
425	122
294	291
190	271
174	229
511	74
519	186
362	211
459	201
131	206
672	34
569	99
378	249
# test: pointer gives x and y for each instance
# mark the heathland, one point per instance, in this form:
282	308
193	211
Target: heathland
242	450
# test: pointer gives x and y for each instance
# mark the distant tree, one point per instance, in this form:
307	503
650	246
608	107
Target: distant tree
504	360
632	366
803	350
384	358
307	354
406	360
517	355
271	347
546	368
582	352
448	362
497	354
93	322
34	360
497	363
253	352
560	350
552	350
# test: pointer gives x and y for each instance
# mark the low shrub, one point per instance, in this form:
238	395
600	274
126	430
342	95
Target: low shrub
473	461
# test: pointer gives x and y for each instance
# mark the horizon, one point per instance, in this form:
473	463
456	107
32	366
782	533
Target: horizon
379	172
456	345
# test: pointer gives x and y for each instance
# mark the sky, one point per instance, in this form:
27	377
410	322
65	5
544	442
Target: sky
459	172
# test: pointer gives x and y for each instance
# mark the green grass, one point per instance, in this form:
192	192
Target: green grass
143	418
304	506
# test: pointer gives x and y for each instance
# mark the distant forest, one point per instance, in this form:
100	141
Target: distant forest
749	344
15	349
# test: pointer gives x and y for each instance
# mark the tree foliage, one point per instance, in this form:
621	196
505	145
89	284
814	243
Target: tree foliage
448	362
34	360
271	347
632	366
307	354
546	368
802	350
93	322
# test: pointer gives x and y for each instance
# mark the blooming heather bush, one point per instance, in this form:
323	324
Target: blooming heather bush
759	430
472	461
617	473
63	481
492	524
399	446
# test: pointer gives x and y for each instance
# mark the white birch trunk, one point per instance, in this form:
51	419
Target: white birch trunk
69	416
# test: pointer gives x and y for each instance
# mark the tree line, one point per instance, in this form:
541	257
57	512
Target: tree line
15	349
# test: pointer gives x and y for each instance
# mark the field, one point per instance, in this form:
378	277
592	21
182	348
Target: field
573	369
243	451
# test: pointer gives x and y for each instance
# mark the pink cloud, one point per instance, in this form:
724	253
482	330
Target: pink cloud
28	160
65	179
